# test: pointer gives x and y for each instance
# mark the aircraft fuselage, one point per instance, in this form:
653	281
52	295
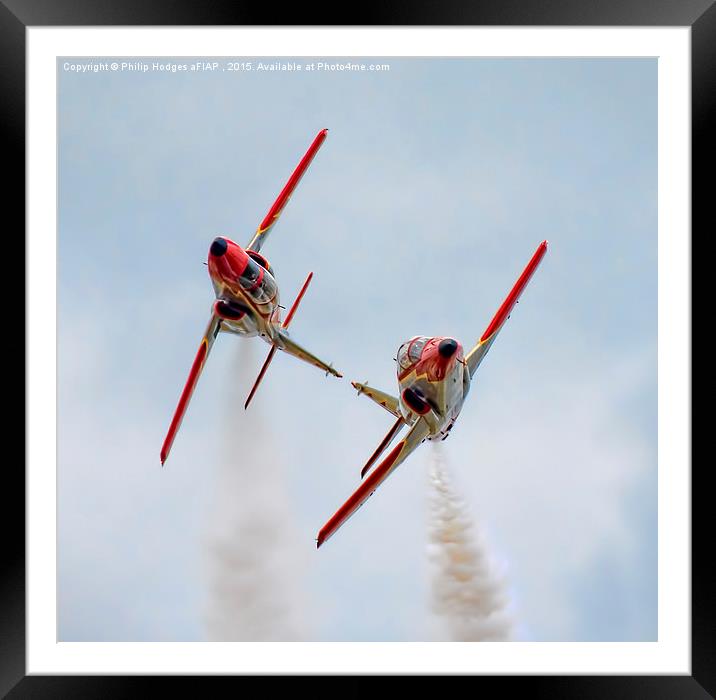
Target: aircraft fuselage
247	295
433	381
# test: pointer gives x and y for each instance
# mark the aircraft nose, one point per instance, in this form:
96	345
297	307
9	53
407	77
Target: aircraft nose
447	347
218	247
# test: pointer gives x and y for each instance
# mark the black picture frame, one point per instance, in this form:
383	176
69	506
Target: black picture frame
17	15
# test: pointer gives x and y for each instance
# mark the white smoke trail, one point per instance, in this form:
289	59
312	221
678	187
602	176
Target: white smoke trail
254	573
467	593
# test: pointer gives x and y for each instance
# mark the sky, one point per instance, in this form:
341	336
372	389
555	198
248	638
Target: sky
437	181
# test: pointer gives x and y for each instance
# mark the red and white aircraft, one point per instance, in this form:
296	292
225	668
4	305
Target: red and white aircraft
434	379
247	299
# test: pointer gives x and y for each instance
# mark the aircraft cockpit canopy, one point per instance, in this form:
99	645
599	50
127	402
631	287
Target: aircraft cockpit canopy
250	275
260	287
410	351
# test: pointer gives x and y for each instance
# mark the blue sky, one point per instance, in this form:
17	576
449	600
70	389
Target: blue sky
437	181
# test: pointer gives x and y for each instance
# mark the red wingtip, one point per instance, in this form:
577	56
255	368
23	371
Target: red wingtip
293	181
360	495
186	394
504	311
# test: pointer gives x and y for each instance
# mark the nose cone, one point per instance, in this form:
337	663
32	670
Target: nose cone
447	347
226	261
218	247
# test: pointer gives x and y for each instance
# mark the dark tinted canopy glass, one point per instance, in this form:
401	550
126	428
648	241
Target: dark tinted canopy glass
250	274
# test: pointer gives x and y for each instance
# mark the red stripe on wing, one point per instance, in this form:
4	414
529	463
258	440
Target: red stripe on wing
504	311
290	186
184	399
361	494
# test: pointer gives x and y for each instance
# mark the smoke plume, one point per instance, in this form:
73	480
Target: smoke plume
254	574
467	594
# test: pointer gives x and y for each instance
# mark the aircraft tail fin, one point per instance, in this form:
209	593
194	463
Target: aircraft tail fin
267	362
294	306
395	429
287	345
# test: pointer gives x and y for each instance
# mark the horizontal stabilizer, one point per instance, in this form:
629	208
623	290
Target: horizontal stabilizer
287	344
388	402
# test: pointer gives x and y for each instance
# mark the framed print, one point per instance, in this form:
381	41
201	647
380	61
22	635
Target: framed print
402	186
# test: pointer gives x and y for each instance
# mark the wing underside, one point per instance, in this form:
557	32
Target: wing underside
202	353
477	354
398	454
277	207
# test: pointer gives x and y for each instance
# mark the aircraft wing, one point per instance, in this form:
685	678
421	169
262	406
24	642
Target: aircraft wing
275	211
287	344
405	447
212	330
476	355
